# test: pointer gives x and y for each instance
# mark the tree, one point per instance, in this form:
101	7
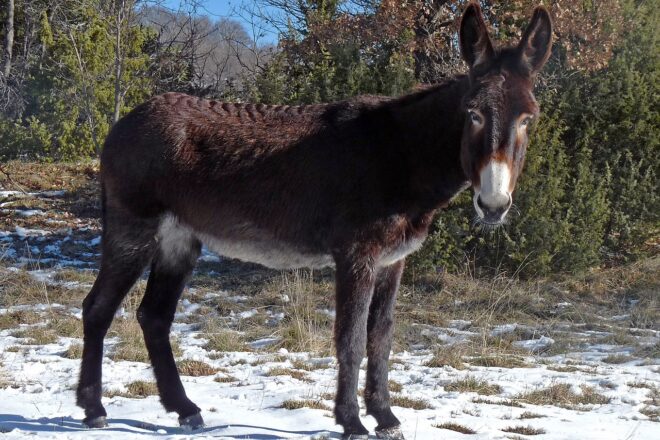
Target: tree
9	38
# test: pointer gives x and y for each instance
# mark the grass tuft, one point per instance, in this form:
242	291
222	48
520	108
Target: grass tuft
74	351
225	379
504	402
473	385
15	318
394	386
303	328
304	403
530	415
498	361
525	430
447	355
562	395
224	340
37	335
66	326
409	402
617	359
135	390
455	427
189	367
282	371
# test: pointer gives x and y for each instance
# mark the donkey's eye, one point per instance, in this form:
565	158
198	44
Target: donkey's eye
475	118
525	122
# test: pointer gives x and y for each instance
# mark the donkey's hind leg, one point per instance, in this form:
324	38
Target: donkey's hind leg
127	247
174	261
379	342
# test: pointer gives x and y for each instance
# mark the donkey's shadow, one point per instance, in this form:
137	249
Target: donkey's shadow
9	422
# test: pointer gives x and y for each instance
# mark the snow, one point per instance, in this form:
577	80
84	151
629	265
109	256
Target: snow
40	399
535	345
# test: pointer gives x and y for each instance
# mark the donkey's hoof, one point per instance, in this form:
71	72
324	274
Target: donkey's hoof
355	437
192	422
393	433
95	422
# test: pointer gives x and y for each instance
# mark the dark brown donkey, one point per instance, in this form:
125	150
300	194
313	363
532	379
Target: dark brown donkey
353	185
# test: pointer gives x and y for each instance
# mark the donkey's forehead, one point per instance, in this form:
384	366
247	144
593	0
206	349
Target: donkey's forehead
502	89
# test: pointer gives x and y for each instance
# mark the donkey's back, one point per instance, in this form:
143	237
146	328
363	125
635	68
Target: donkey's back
266	184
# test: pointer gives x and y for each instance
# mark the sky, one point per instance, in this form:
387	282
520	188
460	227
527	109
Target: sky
217	9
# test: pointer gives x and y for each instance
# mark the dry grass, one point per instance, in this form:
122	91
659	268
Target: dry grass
303	328
562	395
299	364
618	337
530	415
75	276
394	387
189	367
15	318
456	427
225	379
503	402
282	371
498	361
448	355
37	335
525	430
653	396
19	287
617	359
135	390
563	368
471	384
221	338
225	341
4	378
74	351
409	402
304	403
66	326
652	412
131	342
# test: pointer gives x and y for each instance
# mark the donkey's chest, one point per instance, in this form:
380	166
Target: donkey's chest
400	250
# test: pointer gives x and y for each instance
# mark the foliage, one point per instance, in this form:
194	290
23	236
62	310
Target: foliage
589	192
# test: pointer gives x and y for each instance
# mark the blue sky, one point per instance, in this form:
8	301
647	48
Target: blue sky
217	9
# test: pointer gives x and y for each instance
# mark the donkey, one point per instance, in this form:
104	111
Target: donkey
352	184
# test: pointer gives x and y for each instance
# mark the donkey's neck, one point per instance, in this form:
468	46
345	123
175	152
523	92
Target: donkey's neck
430	125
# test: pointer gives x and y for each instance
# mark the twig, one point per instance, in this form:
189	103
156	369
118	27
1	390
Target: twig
12	181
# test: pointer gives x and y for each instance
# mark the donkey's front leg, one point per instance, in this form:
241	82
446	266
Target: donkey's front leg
379	344
355	285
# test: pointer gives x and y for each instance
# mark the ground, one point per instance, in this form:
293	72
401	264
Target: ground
572	357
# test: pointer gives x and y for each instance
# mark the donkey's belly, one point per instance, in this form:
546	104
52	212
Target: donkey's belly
273	254
240	241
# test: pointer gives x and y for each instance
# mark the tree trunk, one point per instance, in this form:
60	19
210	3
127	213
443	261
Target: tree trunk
118	72
9	38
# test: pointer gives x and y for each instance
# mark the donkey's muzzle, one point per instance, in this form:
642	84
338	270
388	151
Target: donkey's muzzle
492	210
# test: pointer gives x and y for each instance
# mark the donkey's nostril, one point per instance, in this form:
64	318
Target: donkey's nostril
481	205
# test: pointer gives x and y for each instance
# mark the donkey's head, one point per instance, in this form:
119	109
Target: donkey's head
499	108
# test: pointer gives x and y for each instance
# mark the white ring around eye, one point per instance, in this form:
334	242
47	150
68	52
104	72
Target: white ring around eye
475	117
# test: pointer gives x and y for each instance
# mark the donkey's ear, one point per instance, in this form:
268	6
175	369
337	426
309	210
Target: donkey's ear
536	42
476	47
